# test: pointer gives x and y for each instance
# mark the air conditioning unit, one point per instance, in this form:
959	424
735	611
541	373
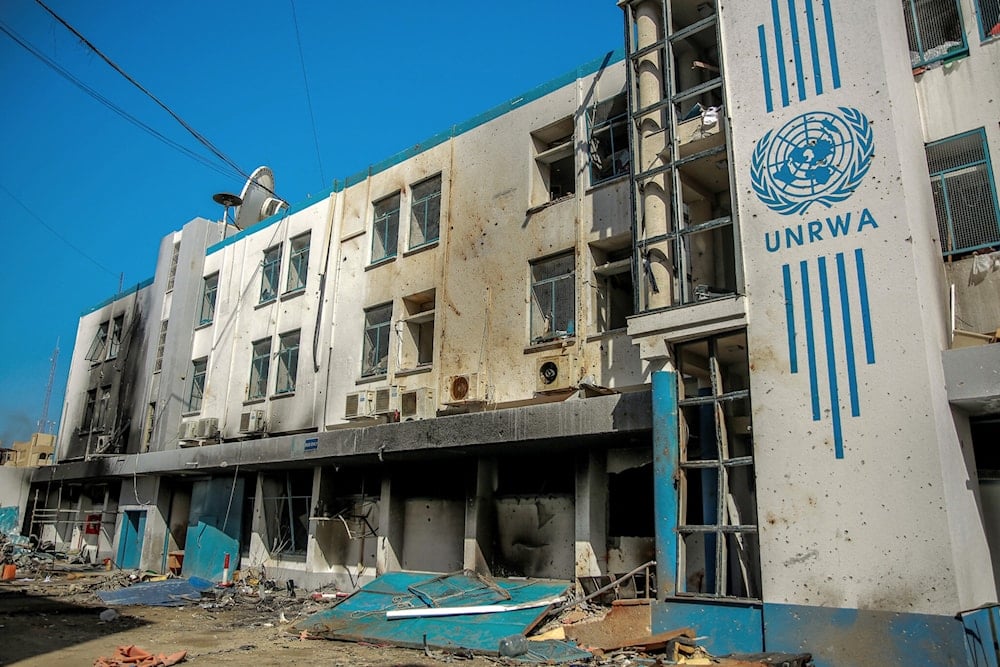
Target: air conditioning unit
206	428
463	388
188	430
359	405
252	422
417	404
386	400
555	373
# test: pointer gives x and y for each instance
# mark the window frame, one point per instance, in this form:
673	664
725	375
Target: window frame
385	227
420	221
942	176
609	264
538	283
196	389
161	343
89	408
609	126
985	28
209	296
172	273
381	329
911	21
99	346
260	368
115	339
288	362
298	261
270	274
280	511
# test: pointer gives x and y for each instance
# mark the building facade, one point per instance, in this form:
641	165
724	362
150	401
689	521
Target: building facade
692	303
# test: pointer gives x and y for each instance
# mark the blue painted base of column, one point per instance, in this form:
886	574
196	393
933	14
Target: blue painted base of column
726	627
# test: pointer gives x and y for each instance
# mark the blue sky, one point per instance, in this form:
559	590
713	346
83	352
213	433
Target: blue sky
85	196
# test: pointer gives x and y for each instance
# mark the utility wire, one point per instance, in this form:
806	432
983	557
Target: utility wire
305	81
53	230
61	71
197	135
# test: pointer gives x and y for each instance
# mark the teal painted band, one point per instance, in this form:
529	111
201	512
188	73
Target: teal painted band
111	299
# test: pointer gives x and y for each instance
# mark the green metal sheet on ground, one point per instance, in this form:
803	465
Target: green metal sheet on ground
362	616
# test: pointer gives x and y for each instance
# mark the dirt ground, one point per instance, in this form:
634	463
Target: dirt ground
58	623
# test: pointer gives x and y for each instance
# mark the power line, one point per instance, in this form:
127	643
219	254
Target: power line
53	230
305	81
197	135
66	74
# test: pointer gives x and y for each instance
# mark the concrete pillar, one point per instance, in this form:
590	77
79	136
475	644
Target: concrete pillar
480	519
391	526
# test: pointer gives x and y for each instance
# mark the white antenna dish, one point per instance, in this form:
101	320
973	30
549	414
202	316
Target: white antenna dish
256	196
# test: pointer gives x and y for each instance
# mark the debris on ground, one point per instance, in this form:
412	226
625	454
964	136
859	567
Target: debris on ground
133	656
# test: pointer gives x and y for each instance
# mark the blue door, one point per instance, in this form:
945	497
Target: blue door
130	539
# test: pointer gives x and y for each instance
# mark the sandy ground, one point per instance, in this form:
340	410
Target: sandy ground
58	623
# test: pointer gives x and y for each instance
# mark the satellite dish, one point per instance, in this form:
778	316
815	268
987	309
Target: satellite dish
256	197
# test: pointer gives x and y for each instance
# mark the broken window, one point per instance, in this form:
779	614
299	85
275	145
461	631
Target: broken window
717	508
147	431
608	145
116	336
197	389
385	228
298	263
553	298
555	170
288	362
425	212
270	274
613	283
175	253
99	344
210	287
375	355
988	13
88	410
934	30
103	404
260	364
965	197
287	499
418	336
161	343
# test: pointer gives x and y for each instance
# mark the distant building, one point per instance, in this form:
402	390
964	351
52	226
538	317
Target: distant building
706	303
35	452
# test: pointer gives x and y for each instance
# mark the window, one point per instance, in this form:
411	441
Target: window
288	362
197	391
99	344
270	274
608	145
260	365
103	403
375	356
173	266
298	263
287	499
555	173
418	335
209	289
385	228
613	283
717	506
965	196
553	298
116	336
425	212
88	410
147	433
988	12
934	30
161	342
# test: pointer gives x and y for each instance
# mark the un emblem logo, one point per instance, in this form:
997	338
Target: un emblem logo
818	157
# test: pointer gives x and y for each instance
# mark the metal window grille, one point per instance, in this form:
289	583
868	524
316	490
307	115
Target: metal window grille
260	365
288	362
934	30
198	370
270	270
375	356
425	212
988	14
209	291
385	228
116	336
964	191
553	298
298	263
608	145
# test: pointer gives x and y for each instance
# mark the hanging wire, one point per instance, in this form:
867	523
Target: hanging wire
305	81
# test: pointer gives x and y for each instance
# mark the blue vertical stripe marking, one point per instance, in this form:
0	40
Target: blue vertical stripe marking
845	310
793	23
793	357
779	49
866	318
810	340
814	47
765	68
831	43
831	361
666	445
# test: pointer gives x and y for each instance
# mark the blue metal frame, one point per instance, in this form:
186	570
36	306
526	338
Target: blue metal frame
954	53
270	274
385	226
288	362
422	220
260	366
666	430
298	262
375	332
983	33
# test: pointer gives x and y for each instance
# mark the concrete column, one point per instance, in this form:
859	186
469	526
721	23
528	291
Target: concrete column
391	526
591	514
480	520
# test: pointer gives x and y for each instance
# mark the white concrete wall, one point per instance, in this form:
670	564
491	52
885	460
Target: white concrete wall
892	524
